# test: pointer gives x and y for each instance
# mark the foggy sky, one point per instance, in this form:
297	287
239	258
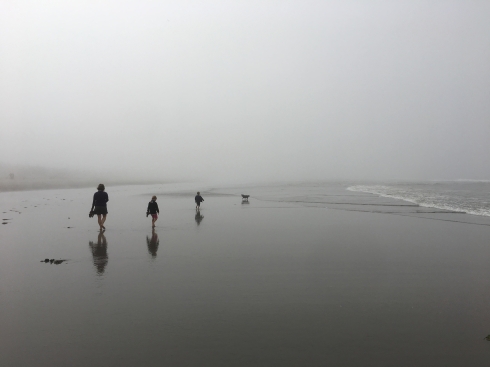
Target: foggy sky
242	90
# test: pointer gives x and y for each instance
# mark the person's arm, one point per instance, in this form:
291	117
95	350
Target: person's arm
158	210
93	203
106	197
148	209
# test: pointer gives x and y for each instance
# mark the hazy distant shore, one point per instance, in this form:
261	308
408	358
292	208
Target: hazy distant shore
27	185
25	178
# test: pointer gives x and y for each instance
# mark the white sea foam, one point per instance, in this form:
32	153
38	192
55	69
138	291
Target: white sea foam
453	196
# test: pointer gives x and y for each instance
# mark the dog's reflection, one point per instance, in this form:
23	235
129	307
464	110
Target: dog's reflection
198	217
99	253
153	243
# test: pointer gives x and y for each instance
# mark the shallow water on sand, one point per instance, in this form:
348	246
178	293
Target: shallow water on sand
291	278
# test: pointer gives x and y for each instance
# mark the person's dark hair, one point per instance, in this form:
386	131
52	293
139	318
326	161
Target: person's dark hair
101	187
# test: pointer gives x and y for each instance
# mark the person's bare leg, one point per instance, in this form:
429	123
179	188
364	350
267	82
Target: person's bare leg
103	220
100	221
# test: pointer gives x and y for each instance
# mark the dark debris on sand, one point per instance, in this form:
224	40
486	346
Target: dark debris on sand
487	338
52	261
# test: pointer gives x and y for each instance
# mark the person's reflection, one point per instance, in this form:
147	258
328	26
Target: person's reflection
153	243
99	253
198	217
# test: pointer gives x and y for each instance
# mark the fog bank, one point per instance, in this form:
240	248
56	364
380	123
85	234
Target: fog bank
255	90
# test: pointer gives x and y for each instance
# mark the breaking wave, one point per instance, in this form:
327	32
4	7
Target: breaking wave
462	196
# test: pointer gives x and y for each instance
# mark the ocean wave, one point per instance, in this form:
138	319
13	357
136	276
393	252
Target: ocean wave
471	180
444	198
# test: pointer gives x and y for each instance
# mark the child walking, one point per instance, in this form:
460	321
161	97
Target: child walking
198	199
153	210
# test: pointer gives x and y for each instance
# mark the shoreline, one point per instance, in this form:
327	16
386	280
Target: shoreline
435	200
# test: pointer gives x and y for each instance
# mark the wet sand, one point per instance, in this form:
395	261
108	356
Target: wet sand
308	275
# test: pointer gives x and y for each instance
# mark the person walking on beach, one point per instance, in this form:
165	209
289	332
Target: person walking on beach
198	200
99	205
153	210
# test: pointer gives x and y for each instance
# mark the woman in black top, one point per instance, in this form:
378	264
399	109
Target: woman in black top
99	205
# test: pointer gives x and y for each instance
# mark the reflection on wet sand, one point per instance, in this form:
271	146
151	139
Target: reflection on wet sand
198	217
99	253
153	243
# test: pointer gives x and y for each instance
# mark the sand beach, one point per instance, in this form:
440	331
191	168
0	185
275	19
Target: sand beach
301	275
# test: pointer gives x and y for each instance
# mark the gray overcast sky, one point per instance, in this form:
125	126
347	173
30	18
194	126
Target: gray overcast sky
231	90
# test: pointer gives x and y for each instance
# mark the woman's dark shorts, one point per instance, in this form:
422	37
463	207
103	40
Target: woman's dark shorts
100	210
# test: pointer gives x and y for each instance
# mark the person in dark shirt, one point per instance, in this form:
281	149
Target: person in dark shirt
153	210
99	205
198	199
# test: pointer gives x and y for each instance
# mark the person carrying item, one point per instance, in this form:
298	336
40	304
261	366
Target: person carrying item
99	205
198	200
153	210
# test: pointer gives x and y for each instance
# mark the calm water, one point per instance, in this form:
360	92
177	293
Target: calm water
301	275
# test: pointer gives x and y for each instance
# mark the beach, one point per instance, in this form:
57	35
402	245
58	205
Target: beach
304	274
